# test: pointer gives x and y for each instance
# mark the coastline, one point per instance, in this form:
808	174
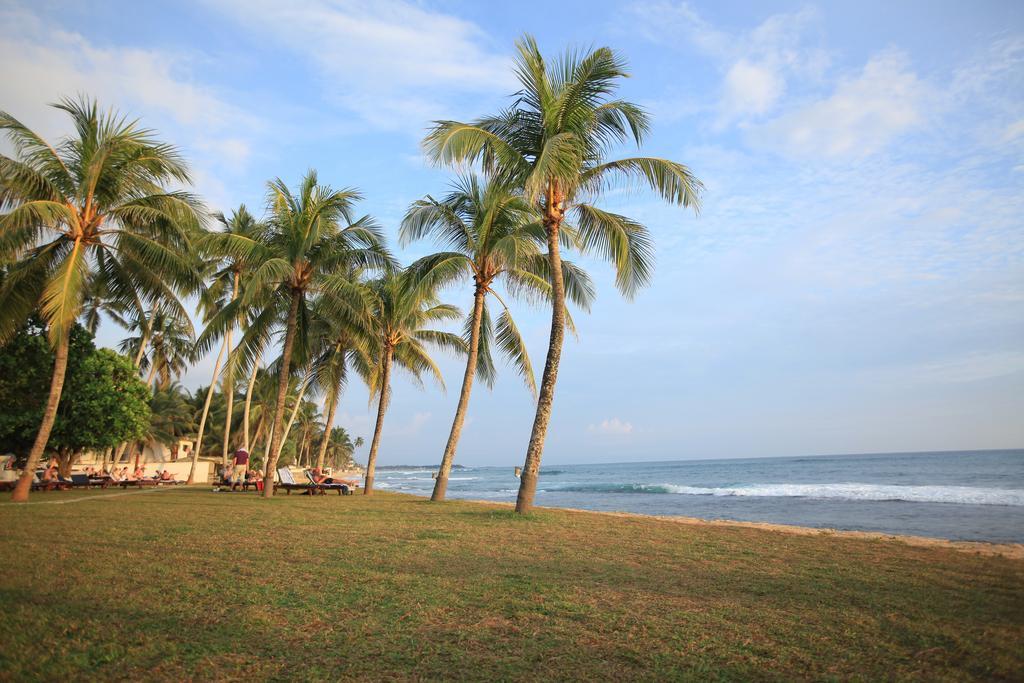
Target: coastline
1013	551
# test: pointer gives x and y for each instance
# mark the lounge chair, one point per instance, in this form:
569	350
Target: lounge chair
342	489
80	480
288	483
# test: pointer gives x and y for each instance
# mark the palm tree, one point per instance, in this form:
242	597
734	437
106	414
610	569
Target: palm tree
340	445
403	307
553	142
95	203
226	285
495	235
342	341
172	416
312	237
170	342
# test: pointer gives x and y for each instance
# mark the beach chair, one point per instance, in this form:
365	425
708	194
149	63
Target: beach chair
80	481
342	489
288	482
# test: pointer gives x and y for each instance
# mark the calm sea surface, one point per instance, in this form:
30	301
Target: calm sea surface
964	495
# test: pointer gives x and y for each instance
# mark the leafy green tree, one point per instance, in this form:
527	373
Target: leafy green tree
97	202
553	142
403	307
104	404
495	236
26	362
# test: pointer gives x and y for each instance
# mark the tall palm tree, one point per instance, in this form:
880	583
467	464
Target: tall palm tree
553	142
495	236
225	285
97	202
312	237
342	341
403	307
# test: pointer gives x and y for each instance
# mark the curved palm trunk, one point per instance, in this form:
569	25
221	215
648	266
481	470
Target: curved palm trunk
371	461
441	483
528	478
332	406
248	405
291	420
142	348
202	420
60	366
282	393
228	387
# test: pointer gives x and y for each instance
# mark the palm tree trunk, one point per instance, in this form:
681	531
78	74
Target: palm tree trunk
291	419
371	461
60	366
227	386
152	375
441	483
202	420
143	343
528	478
248	404
282	394
332	406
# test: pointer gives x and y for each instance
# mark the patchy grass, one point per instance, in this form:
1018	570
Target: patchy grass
187	584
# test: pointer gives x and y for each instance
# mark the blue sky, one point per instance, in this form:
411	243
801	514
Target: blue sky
854	283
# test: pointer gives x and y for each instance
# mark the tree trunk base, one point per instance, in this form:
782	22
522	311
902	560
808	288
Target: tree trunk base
22	488
527	490
368	485
440	489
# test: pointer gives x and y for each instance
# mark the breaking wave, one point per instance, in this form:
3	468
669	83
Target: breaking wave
963	495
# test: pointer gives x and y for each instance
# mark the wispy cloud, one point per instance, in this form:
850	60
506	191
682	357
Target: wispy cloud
43	63
392	62
758	66
861	116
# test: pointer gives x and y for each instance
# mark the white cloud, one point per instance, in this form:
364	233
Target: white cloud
861	116
613	426
44	63
757	65
751	87
392	62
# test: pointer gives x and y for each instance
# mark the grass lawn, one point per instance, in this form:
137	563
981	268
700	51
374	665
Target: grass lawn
176	584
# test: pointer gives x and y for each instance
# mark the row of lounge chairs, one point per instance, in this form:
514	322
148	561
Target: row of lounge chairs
84	481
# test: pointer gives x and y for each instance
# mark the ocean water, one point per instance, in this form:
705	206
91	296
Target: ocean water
964	495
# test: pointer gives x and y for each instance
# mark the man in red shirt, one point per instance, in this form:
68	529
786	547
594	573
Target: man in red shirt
241	462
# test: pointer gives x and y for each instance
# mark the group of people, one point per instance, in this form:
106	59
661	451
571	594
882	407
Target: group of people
237	473
52	474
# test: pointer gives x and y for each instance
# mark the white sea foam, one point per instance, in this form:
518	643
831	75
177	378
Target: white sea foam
964	495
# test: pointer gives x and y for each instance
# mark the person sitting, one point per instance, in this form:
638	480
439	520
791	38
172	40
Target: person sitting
166	476
50	473
140	473
225	475
115	475
123	474
321	478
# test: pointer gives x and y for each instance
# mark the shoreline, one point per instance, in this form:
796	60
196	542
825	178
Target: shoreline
1013	551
